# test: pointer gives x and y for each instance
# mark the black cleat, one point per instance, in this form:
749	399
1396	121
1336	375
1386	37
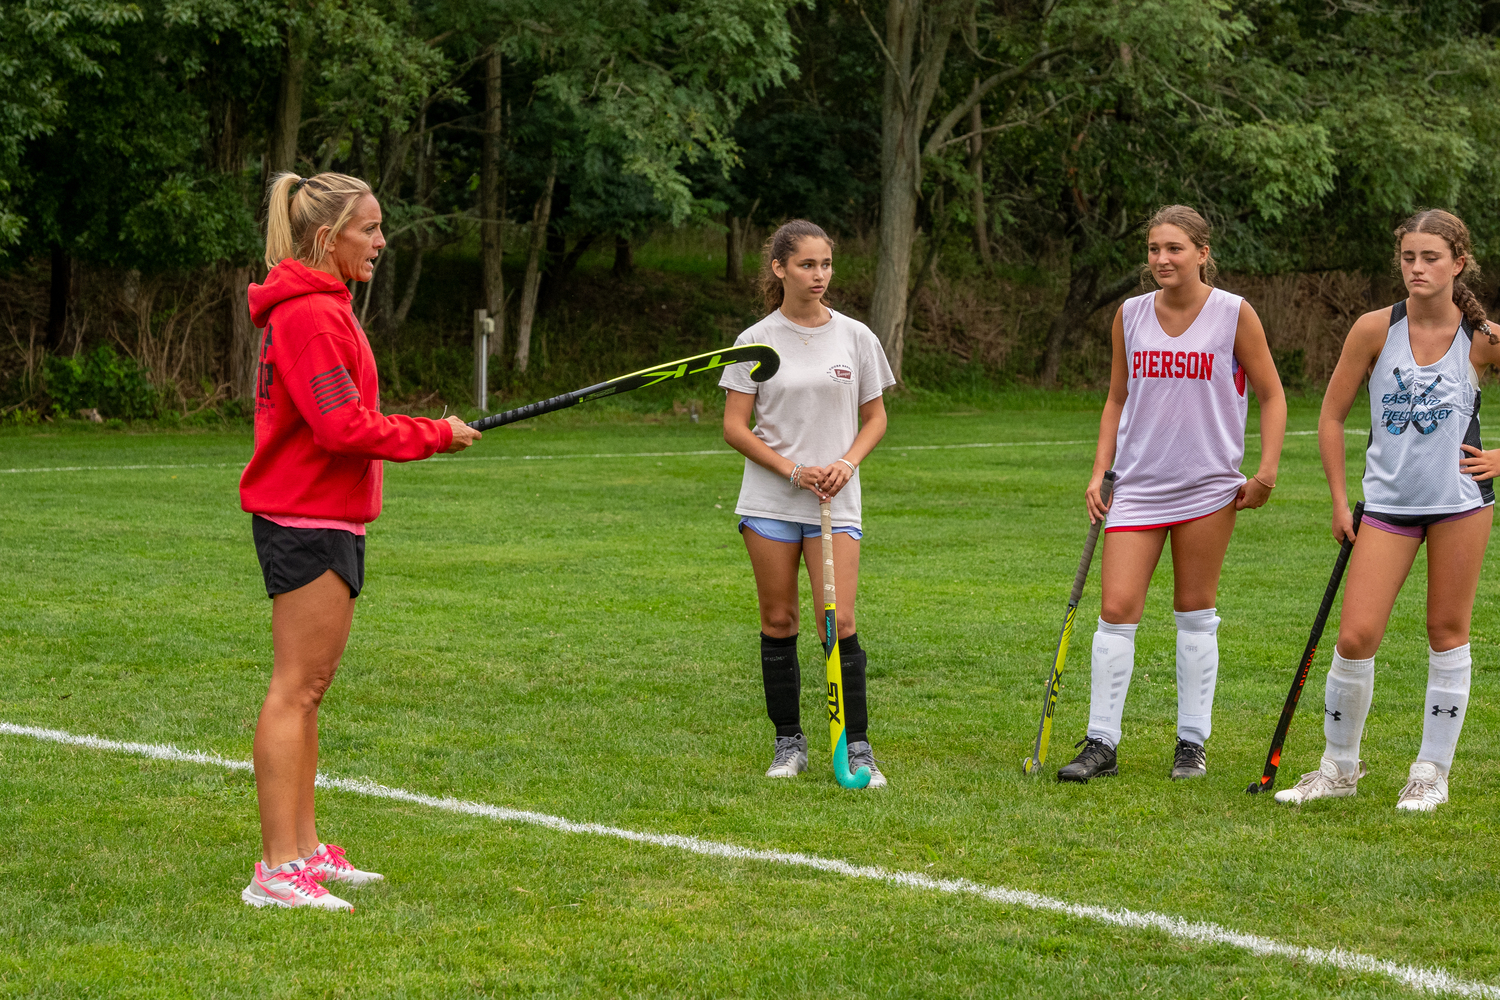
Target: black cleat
1096	760
1189	761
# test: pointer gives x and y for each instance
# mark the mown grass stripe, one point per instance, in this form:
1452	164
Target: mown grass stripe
612	454
1430	980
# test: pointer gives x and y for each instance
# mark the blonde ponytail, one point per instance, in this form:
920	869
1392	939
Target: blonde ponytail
297	208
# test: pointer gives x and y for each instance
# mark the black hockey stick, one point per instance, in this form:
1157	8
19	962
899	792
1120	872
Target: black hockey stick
1060	655
1273	759
766	359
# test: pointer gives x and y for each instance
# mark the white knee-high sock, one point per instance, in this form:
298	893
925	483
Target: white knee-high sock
1113	663
1197	672
1346	703
1448	675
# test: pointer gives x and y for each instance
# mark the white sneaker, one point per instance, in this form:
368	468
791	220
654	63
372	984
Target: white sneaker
862	755
292	884
1425	790
790	759
1328	782
329	858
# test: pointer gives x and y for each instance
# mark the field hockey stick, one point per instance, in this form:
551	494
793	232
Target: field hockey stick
1033	764
766	359
836	734
1273	759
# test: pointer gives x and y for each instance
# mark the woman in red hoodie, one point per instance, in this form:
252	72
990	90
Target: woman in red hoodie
311	486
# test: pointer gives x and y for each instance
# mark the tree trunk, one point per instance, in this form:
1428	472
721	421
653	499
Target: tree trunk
1083	290
384	292
492	225
540	216
976	172
624	257
905	102
734	249
243	338
281	153
60	299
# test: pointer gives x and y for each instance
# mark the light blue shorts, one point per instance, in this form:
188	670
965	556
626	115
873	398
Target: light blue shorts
791	531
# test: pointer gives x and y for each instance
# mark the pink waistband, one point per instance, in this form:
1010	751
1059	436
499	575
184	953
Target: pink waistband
295	521
1415	530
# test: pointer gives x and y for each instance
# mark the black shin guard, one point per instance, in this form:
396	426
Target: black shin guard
782	676
856	711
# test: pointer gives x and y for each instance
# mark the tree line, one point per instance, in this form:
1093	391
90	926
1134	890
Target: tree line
136	139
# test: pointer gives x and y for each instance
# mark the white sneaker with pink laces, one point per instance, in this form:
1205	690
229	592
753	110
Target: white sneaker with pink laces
291	884
330	860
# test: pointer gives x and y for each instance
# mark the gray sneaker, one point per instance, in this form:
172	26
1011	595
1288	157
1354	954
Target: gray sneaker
861	755
791	757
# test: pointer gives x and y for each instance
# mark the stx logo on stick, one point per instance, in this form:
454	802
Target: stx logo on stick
1451	713
833	702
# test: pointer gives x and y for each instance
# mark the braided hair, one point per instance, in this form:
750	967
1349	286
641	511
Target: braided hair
1436	222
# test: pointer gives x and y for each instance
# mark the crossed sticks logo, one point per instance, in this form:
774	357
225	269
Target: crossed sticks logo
1451	713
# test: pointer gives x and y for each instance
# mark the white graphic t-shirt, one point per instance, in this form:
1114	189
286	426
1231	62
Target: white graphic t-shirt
808	411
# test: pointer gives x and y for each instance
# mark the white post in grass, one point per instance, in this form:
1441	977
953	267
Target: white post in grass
483	327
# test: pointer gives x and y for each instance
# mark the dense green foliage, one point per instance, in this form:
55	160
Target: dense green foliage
578	637
136	138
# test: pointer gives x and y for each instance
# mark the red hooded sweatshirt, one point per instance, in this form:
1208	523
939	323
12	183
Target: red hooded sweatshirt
319	433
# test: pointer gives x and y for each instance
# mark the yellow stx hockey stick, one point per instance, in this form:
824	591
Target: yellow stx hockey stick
836	735
1033	764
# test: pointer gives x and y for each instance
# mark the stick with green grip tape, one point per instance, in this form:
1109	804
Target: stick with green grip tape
836	735
1033	764
766	362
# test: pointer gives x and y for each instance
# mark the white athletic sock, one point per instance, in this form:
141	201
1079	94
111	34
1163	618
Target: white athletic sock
1197	672
1448	676
1113	663
1346	703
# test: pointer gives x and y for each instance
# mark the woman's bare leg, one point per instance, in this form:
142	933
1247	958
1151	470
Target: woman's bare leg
775	567
1130	557
845	579
1455	555
309	629
1378	567
1198	549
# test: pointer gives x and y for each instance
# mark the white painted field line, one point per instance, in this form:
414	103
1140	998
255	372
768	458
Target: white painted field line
1431	980
608	454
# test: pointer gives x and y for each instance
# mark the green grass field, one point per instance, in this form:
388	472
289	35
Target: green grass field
578	637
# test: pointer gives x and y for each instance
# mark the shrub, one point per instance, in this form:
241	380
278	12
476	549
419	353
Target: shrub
103	380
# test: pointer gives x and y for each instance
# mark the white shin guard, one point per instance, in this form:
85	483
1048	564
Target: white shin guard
1113	663
1197	673
1448	675
1346	703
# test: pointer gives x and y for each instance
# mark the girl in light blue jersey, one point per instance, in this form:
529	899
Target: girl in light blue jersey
1426	478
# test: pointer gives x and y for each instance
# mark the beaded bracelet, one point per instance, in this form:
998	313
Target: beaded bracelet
796	471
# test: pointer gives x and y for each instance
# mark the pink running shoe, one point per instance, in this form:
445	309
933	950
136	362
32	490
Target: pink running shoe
292	884
330	860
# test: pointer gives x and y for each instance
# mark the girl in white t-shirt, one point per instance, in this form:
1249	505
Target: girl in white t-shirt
815	421
1173	429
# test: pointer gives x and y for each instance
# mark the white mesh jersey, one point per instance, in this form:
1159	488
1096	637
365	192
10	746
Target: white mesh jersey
1182	433
1419	416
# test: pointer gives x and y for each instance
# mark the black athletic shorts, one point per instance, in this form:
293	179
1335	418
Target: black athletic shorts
294	557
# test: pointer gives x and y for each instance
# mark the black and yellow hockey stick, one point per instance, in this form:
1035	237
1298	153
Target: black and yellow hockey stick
766	362
1033	764
836	734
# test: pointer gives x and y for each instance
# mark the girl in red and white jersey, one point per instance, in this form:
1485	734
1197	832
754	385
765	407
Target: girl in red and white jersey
1173	429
